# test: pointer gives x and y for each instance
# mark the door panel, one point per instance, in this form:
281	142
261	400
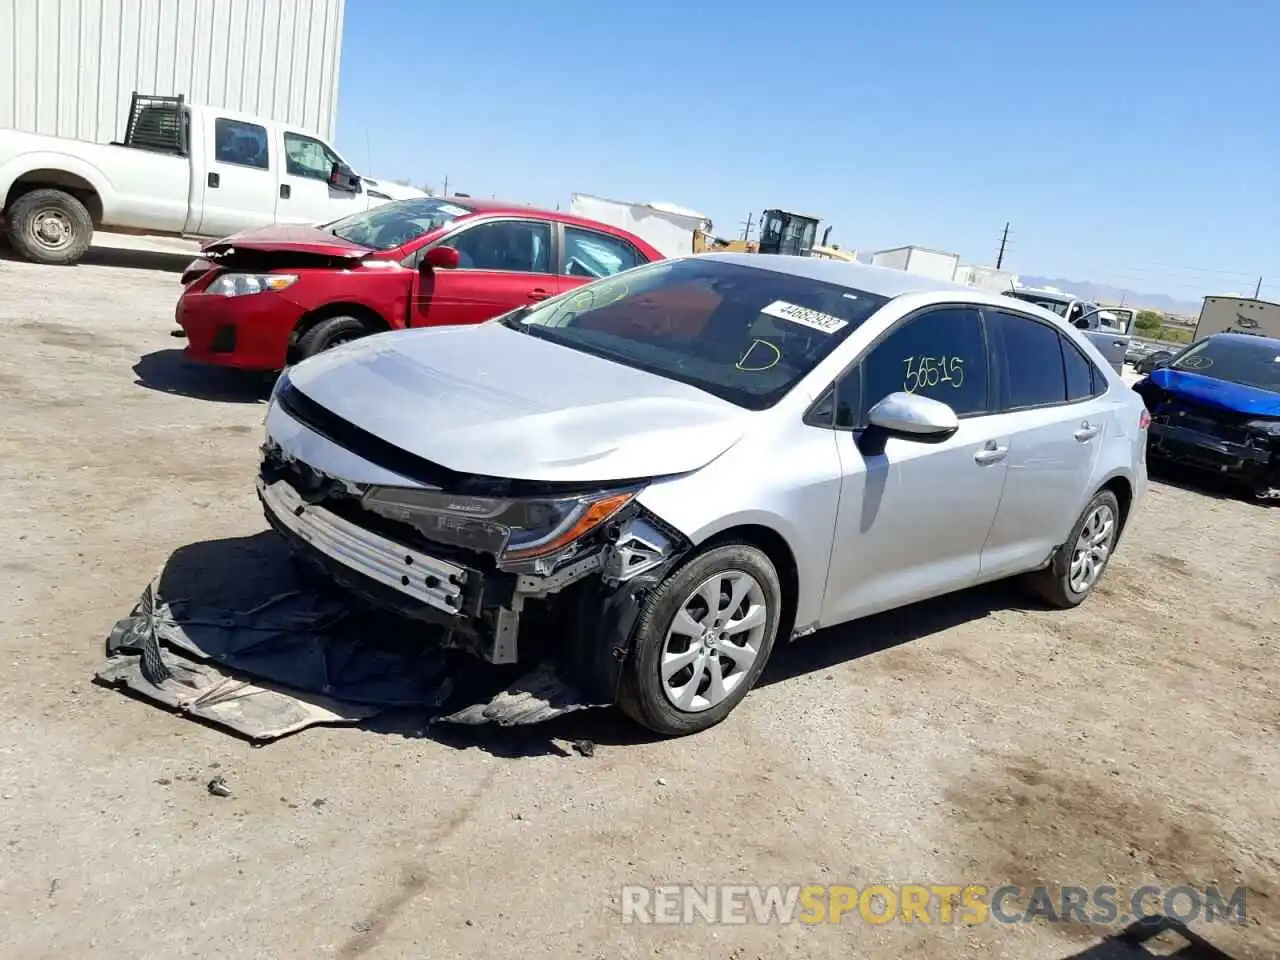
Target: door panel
914	515
305	195
1113	346
505	264
1056	430
239	191
913	518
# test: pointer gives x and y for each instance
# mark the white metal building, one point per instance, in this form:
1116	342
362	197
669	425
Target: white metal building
929	263
69	67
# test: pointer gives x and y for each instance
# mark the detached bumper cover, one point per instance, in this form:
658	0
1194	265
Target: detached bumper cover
286	655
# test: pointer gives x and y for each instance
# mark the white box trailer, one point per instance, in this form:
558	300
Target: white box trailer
986	279
669	228
919	260
1238	315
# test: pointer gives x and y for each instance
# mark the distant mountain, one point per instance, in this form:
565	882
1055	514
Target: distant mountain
1101	293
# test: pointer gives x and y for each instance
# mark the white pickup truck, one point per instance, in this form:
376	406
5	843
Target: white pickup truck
181	169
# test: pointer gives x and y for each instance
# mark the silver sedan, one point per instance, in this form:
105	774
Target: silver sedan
654	477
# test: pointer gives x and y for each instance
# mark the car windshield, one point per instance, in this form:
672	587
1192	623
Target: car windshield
744	334
1236	361
1049	303
395	224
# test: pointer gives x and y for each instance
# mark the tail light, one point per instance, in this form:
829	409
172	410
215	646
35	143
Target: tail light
1144	421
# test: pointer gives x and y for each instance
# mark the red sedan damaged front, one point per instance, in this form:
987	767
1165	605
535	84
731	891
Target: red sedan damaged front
277	295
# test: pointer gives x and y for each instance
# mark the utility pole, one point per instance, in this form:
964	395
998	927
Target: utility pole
1004	239
446	186
747	224
1257	291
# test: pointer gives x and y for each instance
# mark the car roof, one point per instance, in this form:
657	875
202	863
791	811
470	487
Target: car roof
488	207
881	281
1272	343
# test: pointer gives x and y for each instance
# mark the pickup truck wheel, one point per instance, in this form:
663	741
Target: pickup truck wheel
330	332
50	226
1078	565
702	640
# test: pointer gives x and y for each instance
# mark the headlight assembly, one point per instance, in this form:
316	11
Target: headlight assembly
514	529
244	284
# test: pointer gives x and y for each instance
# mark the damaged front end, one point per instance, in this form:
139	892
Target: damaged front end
1242	446
512	572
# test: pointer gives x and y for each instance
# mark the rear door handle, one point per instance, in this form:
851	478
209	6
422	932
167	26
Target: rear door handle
1086	432
1119	343
991	453
537	293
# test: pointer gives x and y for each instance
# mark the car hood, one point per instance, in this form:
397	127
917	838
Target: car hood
1251	401
495	402
285	238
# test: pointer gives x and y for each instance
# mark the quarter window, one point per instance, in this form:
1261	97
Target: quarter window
594	255
244	144
1082	378
1034	375
940	354
307	157
518	246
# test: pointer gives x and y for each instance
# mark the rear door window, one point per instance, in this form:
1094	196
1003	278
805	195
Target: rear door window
1082	377
241	143
593	255
1032	354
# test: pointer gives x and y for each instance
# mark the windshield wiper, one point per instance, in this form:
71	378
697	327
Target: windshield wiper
512	320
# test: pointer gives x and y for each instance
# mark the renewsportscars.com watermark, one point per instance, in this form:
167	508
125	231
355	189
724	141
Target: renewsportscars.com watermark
969	904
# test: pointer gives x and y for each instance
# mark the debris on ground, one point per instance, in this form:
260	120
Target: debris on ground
585	747
290	655
218	787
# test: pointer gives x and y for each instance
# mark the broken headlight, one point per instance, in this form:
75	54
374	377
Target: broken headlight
243	284
513	529
1264	428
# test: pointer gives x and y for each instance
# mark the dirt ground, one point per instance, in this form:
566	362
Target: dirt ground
974	739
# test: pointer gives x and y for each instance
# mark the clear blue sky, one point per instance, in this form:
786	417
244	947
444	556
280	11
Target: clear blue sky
1132	143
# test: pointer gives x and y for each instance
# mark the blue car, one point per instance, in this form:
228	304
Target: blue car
1216	406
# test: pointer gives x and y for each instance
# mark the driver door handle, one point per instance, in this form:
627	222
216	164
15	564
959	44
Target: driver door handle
538	293
1086	432
991	453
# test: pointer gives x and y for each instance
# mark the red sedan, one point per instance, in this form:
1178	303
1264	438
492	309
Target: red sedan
277	295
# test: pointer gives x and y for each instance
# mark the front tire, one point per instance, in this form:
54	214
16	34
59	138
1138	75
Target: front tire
328	333
50	226
702	640
1079	564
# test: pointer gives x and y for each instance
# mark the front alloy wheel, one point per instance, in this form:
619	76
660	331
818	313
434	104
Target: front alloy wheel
702	639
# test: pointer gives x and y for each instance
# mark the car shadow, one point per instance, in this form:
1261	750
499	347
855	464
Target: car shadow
128	257
168	371
883	631
1201	482
241	573
1156	936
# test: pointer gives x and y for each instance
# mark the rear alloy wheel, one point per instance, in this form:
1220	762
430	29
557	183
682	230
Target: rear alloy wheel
50	226
1079	563
702	640
329	333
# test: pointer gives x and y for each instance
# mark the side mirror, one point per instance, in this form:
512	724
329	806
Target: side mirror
913	417
1159	363
1083	322
342	177
441	258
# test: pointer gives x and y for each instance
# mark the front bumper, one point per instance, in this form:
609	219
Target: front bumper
1206	451
424	579
249	333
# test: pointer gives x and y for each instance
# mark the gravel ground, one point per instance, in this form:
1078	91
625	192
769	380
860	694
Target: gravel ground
973	739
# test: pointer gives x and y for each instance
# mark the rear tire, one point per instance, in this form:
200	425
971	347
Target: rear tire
1080	563
330	332
710	657
49	226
